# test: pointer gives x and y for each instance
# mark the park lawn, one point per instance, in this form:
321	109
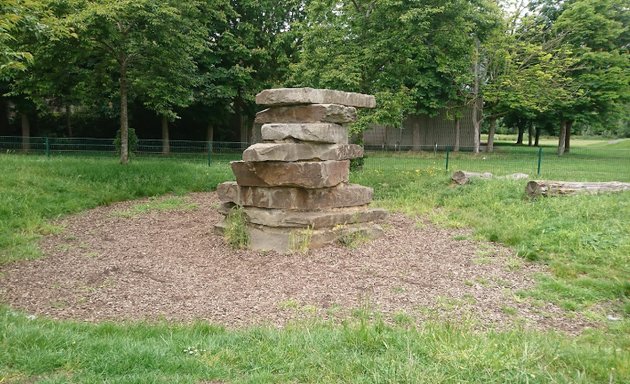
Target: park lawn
583	239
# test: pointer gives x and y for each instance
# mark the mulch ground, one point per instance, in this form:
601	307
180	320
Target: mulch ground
171	265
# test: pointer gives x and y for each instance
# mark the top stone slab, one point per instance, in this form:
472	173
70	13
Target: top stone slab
295	96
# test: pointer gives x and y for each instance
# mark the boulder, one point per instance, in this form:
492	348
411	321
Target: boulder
343	195
314	113
317	133
309	219
305	174
292	96
301	152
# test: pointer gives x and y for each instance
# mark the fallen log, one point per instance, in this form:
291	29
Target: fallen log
462	177
554	188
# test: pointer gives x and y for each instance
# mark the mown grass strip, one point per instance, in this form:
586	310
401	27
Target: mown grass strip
315	352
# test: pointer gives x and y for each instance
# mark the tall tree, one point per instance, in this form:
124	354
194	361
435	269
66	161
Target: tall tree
417	53
137	39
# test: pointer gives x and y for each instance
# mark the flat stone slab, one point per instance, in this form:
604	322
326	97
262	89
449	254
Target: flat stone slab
314	113
305	174
308	219
292	96
286	240
316	133
301	152
343	195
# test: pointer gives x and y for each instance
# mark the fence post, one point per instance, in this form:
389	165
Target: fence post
448	151
47	146
539	160
209	153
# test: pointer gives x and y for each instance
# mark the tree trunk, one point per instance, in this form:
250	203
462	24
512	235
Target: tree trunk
458	134
166	145
210	132
530	135
567	140
477	111
551	188
4	117
519	138
124	118
562	138
537	138
493	128
68	120
26	132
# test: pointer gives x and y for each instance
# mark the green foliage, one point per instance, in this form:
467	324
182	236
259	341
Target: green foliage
132	143
397	50
236	232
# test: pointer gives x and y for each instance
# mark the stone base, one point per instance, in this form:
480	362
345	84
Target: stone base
284	240
308	219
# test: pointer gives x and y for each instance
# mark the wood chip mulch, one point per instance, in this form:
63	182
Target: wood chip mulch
170	265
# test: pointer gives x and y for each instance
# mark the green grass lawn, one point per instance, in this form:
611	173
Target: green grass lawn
584	240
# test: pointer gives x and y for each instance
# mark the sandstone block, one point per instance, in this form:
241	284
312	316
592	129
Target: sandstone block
314	113
292	96
308	219
305	174
318	133
343	195
301	152
293	239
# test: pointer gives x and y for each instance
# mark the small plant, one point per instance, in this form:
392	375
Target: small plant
132	141
300	240
353	239
236	233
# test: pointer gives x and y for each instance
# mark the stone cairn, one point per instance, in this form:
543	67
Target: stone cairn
293	186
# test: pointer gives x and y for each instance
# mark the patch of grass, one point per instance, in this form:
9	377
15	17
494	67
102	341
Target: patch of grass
175	203
35	190
584	239
236	232
300	239
357	351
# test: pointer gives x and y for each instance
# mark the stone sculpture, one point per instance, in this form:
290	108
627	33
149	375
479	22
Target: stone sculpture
293	186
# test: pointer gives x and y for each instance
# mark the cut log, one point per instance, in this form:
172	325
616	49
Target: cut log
462	177
553	188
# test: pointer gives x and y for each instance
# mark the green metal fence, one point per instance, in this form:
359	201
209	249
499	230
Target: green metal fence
592	163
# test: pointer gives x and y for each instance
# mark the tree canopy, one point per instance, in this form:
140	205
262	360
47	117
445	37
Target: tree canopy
545	63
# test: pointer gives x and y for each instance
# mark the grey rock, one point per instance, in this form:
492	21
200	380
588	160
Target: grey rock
309	219
343	195
314	113
305	174
292	96
301	152
317	133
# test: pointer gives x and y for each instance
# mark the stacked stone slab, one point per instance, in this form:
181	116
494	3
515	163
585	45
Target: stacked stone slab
293	186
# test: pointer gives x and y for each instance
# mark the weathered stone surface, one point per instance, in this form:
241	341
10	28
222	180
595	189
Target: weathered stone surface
292	96
343	195
301	152
286	240
314	113
308	219
317	133
305	174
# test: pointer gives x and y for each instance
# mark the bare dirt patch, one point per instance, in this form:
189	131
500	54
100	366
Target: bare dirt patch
168	264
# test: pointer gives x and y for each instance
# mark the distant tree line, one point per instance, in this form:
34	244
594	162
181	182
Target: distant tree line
189	69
